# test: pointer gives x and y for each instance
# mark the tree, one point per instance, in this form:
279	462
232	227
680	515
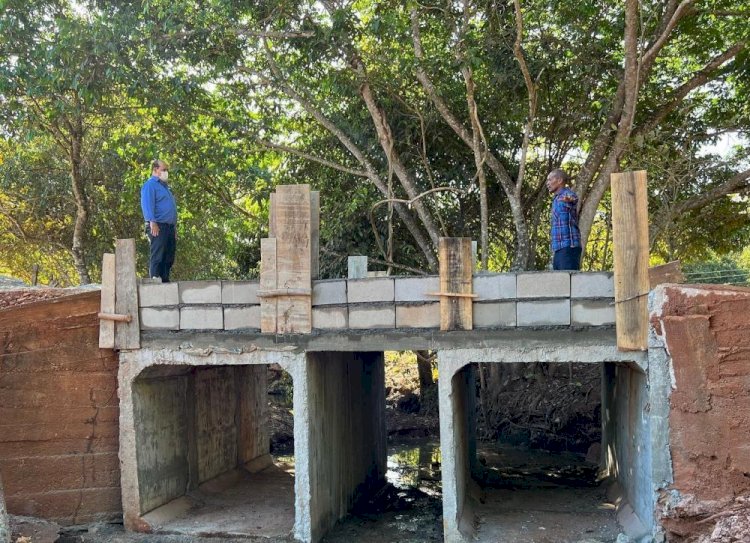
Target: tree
478	98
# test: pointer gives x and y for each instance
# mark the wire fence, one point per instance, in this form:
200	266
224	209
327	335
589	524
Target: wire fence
723	277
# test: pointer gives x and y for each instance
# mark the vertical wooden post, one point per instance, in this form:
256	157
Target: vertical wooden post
314	234
127	334
287	260
456	267
294	312
268	284
630	236
107	327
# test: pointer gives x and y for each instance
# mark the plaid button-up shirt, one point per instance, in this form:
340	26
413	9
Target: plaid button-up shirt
565	232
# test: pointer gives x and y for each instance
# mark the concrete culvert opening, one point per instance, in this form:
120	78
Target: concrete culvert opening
407	502
531	463
203	453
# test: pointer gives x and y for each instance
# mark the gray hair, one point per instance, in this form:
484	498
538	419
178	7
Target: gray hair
560	174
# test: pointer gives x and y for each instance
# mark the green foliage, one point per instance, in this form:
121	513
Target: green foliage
195	83
731	269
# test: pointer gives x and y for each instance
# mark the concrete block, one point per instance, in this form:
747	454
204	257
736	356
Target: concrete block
495	286
378	289
375	316
357	267
543	313
239	292
330	317
236	318
415	289
201	318
158	294
156	318
592	313
418	316
200	292
592	285
329	292
494	314
555	284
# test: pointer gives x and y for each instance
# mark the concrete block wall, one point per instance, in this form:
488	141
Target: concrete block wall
509	300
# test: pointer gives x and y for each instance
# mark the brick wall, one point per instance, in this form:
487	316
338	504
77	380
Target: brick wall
58	412
707	334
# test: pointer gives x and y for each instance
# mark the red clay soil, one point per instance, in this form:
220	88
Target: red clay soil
59	412
707	332
22	296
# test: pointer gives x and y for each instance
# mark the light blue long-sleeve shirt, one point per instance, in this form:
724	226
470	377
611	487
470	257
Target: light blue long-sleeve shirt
157	202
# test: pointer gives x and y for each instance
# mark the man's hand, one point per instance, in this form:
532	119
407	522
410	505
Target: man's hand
154	228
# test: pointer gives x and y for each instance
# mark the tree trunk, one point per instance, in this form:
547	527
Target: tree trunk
79	195
424	367
4	523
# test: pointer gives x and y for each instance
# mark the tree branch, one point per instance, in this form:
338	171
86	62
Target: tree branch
699	78
358	154
311	158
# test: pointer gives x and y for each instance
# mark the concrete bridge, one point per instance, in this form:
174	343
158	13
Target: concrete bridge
193	415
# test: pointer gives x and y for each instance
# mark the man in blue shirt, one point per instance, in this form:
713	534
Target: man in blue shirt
565	235
160	213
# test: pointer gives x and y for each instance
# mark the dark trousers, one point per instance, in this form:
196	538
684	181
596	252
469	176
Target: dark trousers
163	248
567	258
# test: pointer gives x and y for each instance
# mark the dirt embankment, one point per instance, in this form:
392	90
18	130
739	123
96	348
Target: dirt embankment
706	333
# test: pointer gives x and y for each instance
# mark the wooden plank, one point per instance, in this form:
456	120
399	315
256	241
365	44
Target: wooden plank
456	266
127	334
107	328
293	257
268	282
272	216
671	272
630	236
314	234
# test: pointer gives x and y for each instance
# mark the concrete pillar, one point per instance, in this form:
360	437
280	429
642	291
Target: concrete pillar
345	441
458	446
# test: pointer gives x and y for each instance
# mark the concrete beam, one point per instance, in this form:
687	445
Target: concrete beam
519	345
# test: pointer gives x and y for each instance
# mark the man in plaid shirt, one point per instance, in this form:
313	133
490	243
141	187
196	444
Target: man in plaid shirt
565	235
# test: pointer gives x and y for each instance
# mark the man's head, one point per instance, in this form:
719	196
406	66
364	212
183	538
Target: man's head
160	169
557	179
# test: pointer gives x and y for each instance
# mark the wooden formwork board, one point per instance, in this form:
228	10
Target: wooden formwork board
127	334
631	248
268	283
456	267
293	257
107	327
